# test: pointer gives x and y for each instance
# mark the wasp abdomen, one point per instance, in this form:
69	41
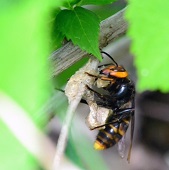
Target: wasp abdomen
111	134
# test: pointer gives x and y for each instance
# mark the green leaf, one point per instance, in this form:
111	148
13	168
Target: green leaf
56	36
13	154
24	50
98	2
82	27
57	39
70	3
148	29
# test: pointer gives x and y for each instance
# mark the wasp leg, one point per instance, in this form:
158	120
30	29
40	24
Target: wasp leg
126	113
95	92
123	113
102	100
92	75
100	77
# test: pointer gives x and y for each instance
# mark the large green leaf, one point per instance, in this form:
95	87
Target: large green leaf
24	51
13	155
82	27
98	2
148	29
24	72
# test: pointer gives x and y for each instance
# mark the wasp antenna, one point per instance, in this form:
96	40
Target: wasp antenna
110	57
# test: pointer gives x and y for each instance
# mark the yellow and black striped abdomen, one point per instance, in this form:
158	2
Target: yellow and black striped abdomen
112	133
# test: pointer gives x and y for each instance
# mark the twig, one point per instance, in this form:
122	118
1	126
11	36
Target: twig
75	89
64	133
110	29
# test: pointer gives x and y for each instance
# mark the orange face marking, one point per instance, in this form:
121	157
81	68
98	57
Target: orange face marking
119	74
116	71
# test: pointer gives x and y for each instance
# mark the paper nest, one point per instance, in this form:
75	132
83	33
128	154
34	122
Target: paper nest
76	88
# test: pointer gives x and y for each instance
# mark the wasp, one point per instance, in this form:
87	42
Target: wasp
118	94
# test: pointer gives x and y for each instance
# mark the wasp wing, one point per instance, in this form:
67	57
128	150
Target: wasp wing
121	147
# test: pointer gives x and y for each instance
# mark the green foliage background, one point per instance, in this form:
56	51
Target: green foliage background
24	53
23	70
24	50
148	29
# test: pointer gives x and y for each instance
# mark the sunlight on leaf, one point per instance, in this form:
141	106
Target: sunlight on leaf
82	27
23	71
13	154
148	29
